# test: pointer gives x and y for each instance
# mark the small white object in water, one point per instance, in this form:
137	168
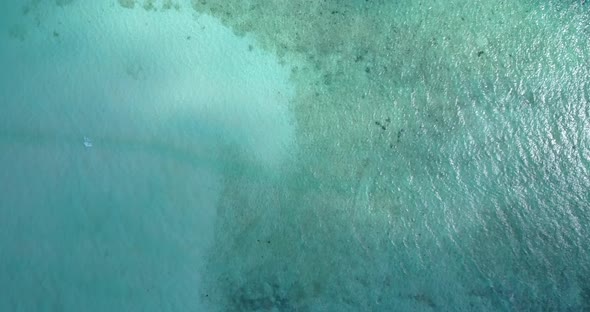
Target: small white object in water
87	142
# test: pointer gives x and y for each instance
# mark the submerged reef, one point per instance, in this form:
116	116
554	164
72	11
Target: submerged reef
400	107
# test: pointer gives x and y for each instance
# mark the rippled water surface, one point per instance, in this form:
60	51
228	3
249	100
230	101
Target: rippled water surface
175	155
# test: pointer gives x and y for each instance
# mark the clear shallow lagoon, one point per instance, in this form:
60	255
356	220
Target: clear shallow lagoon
294	155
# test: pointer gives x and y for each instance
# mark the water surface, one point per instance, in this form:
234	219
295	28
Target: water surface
294	156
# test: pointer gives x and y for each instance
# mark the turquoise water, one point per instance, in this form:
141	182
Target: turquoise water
294	155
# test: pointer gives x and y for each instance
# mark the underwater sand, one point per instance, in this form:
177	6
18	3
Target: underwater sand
294	155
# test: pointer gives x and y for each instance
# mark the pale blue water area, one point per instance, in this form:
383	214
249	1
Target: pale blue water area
176	155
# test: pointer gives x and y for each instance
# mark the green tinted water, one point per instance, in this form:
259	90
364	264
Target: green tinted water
440	161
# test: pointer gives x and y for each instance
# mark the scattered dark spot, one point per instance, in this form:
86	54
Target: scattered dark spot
268	242
188	37
327	79
387	120
462	18
266	300
135	71
128	4
480	53
399	133
335	12
382	126
18	32
250	47
367	69
148	5
55	34
358	58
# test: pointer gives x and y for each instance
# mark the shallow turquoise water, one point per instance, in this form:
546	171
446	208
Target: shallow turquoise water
342	156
